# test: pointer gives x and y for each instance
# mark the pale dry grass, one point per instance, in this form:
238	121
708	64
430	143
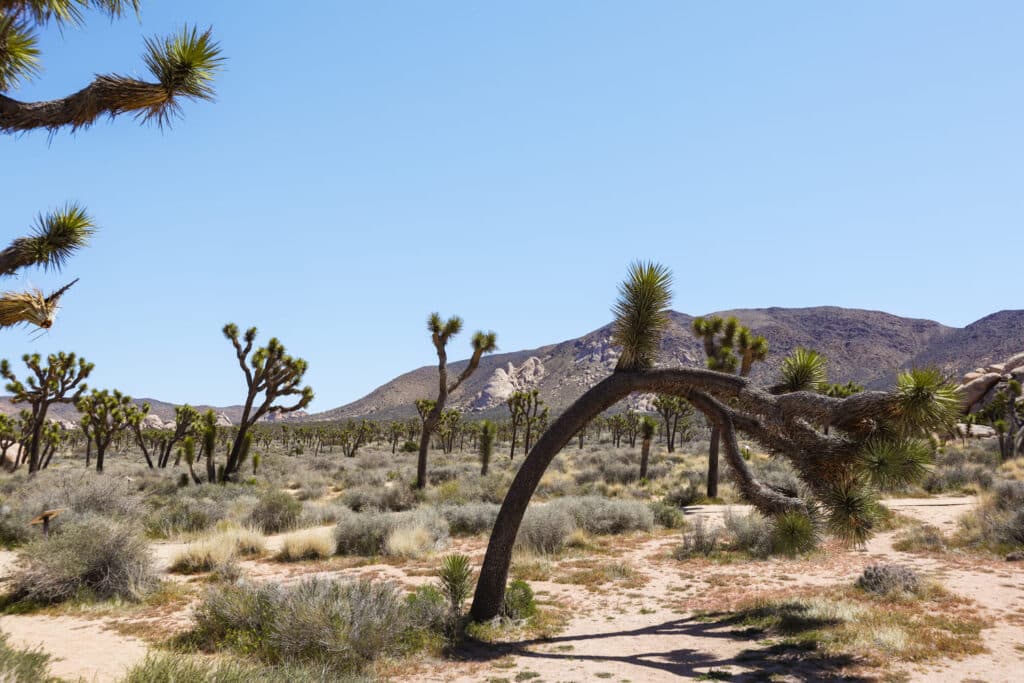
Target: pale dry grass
309	544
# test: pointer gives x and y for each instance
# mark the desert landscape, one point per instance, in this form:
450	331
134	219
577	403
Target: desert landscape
489	445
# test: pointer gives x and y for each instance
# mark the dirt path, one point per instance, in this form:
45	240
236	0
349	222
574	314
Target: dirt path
650	634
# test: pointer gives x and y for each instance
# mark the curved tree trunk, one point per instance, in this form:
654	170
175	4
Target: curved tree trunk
685	383
645	453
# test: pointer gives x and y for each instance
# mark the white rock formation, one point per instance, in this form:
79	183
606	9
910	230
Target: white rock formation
505	381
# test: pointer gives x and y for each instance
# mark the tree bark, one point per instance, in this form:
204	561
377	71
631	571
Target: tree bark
716	435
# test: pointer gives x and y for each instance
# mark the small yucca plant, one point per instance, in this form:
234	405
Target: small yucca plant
456	576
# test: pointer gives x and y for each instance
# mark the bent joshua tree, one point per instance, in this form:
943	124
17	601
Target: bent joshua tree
874	438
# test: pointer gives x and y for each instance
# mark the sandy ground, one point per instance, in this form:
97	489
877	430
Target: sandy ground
646	633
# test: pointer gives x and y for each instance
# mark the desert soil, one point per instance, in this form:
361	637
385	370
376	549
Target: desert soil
644	631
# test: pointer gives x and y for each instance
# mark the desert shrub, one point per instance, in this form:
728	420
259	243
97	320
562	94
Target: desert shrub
920	537
456	575
545	529
341	626
684	494
620	472
519	601
427	608
276	511
751	533
471	518
667	516
368	533
702	539
308	544
775	472
395	497
794	533
409	447
998	520
957	476
361	533
90	557
888	579
202	556
597	515
317	513
23	666
183	515
176	667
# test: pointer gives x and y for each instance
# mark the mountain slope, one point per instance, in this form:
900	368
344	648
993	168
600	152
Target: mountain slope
868	347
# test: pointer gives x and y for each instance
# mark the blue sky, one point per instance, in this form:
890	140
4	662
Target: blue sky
367	163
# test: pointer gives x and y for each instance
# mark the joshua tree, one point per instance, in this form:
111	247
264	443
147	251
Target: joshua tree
51	242
486	445
183	67
803	370
62	380
516	403
106	414
10	433
185	420
440	333
729	346
672	411
875	439
648	426
527	409
270	374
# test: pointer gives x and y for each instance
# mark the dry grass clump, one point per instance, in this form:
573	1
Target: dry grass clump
920	538
24	666
410	542
308	544
177	667
394	496
218	551
91	557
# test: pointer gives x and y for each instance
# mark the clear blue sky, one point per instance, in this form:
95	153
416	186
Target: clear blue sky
367	163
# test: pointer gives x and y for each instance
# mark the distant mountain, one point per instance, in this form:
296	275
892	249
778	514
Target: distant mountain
869	347
162	409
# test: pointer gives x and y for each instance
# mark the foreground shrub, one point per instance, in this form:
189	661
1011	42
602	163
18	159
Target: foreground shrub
308	544
91	557
275	511
888	579
598	515
218	550
184	515
342	626
545	529
174	667
998	521
428	609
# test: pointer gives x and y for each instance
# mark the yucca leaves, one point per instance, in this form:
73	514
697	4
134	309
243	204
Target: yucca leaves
485	342
794	533
925	401
802	370
19	53
185	66
641	314
894	462
54	238
852	510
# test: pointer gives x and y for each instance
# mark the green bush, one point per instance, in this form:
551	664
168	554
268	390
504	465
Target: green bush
276	511
410	447
456	576
428	608
339	626
91	557
519	601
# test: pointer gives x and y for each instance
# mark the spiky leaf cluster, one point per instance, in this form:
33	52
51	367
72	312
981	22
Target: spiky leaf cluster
802	370
641	314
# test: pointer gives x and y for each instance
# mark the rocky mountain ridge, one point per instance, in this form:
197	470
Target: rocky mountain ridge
868	347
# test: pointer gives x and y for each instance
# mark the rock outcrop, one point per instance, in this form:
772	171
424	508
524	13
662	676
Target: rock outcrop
503	382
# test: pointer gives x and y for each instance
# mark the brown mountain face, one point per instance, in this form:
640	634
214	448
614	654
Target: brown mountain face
868	347
163	410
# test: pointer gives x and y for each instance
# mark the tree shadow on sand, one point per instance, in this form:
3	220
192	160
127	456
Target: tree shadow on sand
760	661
